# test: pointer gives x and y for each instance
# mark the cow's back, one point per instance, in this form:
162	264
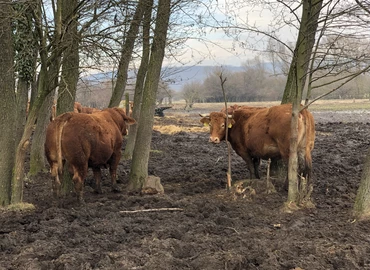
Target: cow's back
90	139
265	132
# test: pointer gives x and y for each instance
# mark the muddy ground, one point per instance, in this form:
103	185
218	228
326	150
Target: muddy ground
213	228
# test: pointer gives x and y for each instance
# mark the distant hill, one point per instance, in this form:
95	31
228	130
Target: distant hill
177	77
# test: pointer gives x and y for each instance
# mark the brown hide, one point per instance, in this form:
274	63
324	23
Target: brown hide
264	133
86	140
232	108
78	108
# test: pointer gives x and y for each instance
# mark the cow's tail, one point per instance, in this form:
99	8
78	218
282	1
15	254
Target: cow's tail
60	122
308	142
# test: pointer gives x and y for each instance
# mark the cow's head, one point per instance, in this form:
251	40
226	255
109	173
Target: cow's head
127	120
217	123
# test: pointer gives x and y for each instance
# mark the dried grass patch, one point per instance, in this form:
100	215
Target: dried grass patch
173	129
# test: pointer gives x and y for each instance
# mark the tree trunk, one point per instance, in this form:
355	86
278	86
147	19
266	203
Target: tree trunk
70	63
22	99
7	103
293	189
126	56
304	46
140	79
37	152
47	80
70	73
20	155
361	207
139	166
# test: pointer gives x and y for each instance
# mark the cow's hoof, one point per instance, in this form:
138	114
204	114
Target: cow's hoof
81	201
98	190
115	188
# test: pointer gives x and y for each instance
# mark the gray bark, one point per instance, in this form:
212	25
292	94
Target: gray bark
7	103
140	159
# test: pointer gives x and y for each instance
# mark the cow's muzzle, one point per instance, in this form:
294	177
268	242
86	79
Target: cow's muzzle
214	139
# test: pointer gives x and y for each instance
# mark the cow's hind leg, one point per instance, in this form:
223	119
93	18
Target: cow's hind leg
78	180
56	182
97	177
113	164
304	172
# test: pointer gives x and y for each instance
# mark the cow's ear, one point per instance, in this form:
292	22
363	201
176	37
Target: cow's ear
129	120
230	123
205	121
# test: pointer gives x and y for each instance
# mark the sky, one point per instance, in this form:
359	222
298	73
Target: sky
230	52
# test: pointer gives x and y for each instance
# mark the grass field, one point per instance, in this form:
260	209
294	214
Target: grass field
320	105
179	120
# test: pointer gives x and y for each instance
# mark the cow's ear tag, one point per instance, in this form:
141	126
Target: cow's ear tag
229	125
206	124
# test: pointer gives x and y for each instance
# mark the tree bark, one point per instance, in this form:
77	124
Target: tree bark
140	79
126	53
139	166
293	189
70	73
304	46
48	75
22	99
70	62
361	206
37	152
7	103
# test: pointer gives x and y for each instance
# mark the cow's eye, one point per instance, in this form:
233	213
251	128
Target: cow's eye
210	124
223	125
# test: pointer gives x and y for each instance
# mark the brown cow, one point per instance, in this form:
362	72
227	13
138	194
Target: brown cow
264	133
86	140
78	108
232	108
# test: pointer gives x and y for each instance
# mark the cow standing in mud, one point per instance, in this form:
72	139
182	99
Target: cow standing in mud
86	140
264	133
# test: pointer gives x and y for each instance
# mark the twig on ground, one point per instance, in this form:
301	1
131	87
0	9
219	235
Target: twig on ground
151	210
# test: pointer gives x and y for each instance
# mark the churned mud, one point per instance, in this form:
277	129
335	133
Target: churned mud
201	225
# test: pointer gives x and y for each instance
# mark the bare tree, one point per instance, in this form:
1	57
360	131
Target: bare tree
139	166
362	203
7	103
191	94
140	78
126	53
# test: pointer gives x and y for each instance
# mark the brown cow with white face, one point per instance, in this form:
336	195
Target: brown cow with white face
86	140
264	133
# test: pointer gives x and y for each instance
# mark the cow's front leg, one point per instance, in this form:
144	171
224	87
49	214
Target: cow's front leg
252	164
256	165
